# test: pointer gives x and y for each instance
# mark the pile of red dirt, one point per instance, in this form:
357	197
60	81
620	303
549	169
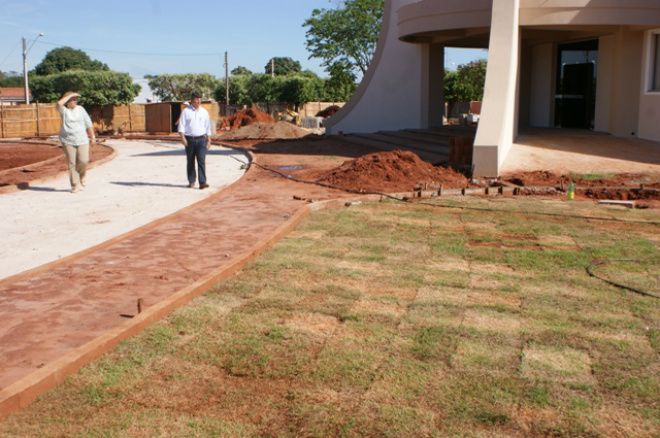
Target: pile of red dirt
266	131
391	172
244	118
328	111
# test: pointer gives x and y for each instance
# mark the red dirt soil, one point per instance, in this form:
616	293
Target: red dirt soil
545	178
304	156
391	172
245	117
22	162
259	130
329	111
620	187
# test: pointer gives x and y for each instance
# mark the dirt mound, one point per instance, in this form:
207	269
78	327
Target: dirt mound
244	118
266	130
328	111
391	172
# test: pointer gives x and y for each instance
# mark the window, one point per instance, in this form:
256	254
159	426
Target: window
654	62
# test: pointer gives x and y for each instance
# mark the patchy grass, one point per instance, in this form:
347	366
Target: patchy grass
392	320
591	176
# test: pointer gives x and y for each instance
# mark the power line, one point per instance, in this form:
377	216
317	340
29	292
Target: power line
10	53
130	53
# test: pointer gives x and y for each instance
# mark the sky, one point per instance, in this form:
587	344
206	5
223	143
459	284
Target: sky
151	37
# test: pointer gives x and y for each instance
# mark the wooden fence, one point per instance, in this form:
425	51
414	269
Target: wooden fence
42	119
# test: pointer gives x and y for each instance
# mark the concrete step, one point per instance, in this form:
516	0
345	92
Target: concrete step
440	140
442	135
379	145
405	142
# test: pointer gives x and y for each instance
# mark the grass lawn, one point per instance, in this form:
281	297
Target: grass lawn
476	318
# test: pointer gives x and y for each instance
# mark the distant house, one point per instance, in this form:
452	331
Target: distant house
12	95
591	65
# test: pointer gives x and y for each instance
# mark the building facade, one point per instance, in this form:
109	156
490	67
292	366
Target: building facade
571	64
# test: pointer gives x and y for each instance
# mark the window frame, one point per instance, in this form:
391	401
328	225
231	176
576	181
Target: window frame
652	83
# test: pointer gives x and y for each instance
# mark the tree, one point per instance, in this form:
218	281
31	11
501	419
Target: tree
64	59
341	85
238	94
247	90
347	34
298	90
466	83
283	66
264	88
95	87
180	86
11	79
240	70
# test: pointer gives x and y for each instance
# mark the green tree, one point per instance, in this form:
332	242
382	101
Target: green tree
11	79
347	34
299	90
283	66
95	87
240	70
238	94
66	58
264	88
341	85
247	90
170	87
466	83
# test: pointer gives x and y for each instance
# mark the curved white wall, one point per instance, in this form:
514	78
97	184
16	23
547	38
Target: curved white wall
390	95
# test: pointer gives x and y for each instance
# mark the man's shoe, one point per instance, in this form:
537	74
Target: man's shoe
203	186
191	185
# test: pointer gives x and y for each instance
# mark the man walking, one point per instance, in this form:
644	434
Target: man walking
195	130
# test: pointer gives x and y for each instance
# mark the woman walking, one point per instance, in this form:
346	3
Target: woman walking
76	133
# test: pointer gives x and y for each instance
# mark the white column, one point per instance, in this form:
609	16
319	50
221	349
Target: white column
498	124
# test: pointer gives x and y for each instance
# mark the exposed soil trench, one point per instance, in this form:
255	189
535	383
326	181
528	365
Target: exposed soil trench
305	157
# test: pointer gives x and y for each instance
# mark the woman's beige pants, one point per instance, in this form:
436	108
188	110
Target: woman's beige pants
77	158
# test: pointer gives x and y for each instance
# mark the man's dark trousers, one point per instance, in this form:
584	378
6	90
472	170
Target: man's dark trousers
196	149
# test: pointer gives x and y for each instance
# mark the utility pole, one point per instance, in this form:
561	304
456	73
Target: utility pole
25	75
226	80
272	67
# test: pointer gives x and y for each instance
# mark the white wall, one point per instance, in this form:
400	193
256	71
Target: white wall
390	95
649	105
542	91
604	83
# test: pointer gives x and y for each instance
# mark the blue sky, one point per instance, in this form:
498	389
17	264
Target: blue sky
164	36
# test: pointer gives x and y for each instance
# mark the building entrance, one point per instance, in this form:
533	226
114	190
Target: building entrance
575	97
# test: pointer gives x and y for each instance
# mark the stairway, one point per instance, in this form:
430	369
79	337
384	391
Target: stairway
431	145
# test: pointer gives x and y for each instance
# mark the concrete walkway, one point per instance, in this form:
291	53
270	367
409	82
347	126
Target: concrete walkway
145	181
